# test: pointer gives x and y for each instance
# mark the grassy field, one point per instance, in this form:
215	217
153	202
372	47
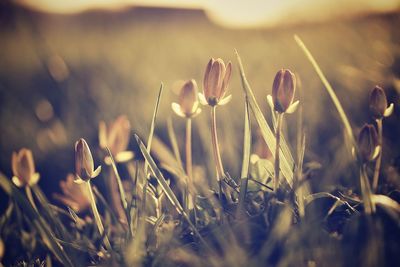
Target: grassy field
60	75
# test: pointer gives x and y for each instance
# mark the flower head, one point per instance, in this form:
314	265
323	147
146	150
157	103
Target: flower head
368	143
116	138
84	166
75	196
23	168
216	81
283	90
378	105
188	104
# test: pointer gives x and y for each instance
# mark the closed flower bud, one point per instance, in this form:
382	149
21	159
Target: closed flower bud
283	90
378	105
84	166
23	168
188	104
216	81
116	138
368	143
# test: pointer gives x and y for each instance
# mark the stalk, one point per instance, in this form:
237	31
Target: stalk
189	167
96	214
188	147
369	206
379	159
28	192
277	145
217	154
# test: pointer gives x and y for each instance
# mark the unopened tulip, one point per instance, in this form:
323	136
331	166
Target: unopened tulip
368	143
84	166
216	81
283	90
188	104
23	168
378	105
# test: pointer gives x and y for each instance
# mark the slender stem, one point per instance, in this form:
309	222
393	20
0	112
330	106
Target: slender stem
379	159
188	151
28	192
217	155
96	215
369	206
189	167
277	145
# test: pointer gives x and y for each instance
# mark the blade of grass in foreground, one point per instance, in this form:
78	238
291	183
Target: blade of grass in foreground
153	125
244	177
329	89
364	182
119	181
167	190
269	137
43	228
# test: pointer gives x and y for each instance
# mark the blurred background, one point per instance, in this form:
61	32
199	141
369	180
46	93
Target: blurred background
66	65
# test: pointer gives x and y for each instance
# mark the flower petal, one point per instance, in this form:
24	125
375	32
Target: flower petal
96	172
202	99
177	109
225	100
17	181
293	107
389	110
124	156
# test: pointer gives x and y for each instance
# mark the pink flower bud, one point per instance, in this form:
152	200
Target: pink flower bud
23	168
84	166
283	90
216	80
377	102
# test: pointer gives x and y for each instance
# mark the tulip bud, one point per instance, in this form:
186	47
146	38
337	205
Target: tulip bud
378	104
283	90
188	104
84	166
188	98
216	81
23	168
368	143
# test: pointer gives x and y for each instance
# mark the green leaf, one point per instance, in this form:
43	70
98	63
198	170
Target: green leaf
165	187
119	182
43	228
287	162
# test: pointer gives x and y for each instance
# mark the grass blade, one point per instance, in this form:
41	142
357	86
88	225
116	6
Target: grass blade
287	161
43	228
153	124
246	155
167	190
329	89
119	181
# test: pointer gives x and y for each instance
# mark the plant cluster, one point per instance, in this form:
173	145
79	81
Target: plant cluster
165	213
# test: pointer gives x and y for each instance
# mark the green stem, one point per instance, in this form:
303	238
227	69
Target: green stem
379	159
28	192
217	154
369	206
189	167
188	148
96	215
277	145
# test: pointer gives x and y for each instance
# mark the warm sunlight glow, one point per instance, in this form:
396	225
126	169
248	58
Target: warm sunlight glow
231	13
